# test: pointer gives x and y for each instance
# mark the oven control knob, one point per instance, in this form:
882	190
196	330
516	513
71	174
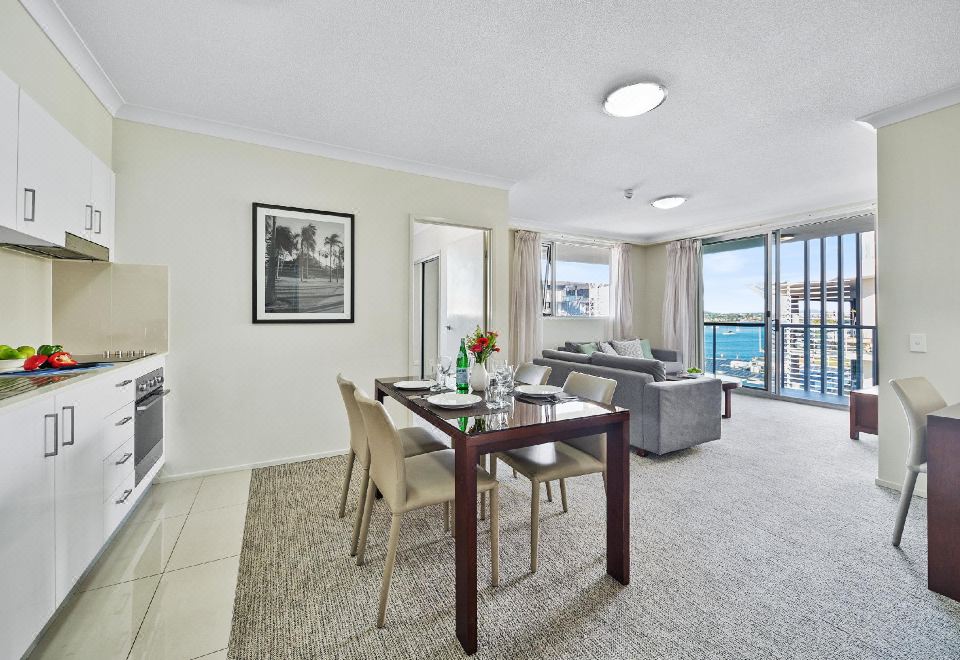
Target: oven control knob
143	387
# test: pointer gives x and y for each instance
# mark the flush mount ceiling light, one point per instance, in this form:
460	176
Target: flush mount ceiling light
669	202
633	100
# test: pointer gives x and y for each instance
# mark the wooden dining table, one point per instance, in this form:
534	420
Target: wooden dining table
482	430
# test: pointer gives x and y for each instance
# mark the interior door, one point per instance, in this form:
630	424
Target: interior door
464	295
429	314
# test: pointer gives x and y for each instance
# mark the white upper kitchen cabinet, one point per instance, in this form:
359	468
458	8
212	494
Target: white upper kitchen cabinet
53	176
79	483
28	443
102	187
9	109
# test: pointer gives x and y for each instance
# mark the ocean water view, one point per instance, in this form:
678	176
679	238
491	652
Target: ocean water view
739	352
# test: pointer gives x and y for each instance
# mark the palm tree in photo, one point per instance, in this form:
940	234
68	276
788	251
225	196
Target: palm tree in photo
280	240
308	245
330	243
340	260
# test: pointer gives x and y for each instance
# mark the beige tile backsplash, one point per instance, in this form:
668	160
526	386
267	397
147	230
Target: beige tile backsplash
25	299
117	306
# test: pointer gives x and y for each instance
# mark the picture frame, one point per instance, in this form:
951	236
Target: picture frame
303	265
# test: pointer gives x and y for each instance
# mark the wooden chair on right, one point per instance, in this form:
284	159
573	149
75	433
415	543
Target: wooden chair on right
919	398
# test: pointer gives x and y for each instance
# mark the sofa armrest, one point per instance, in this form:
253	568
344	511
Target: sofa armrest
666	354
681	414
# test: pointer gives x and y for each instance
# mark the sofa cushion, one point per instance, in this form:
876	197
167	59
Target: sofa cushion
607	347
652	367
635	348
673	367
585	347
566	356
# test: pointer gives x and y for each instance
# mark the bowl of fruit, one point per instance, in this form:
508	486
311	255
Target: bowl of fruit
28	358
11	359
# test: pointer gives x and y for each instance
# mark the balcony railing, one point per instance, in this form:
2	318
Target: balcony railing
826	361
736	349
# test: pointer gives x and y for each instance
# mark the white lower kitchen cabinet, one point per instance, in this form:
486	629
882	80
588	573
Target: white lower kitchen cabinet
29	442
79	482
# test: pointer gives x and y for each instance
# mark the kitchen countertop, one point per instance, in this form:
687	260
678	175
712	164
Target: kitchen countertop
16	389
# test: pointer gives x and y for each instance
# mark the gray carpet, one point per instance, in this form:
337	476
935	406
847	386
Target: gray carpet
770	543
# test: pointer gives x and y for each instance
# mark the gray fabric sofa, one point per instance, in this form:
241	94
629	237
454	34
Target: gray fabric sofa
665	416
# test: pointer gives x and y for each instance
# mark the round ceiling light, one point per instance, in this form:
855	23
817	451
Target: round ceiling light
633	100
669	202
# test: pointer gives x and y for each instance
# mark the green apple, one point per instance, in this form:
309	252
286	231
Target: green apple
26	351
7	353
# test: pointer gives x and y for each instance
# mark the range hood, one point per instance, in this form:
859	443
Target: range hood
74	248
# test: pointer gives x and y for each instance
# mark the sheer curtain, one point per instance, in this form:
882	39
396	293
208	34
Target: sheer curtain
682	308
526	299
621	292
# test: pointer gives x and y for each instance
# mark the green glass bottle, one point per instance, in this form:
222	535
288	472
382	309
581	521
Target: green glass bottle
463	369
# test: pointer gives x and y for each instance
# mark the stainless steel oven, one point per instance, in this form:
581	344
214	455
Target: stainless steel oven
148	423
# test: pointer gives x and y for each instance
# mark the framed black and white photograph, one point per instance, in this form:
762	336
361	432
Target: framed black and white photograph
302	265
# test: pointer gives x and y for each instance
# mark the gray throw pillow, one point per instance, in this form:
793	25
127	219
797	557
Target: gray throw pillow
636	348
652	367
566	356
607	348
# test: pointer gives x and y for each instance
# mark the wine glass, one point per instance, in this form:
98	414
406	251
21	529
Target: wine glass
444	370
436	373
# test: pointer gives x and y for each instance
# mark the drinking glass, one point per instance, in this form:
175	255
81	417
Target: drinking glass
436	372
444	370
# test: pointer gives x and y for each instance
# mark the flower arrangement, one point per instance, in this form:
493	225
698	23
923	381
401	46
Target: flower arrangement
482	344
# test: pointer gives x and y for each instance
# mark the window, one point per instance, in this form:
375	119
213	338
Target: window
575	279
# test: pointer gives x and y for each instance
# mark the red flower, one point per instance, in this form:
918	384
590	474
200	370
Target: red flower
476	348
496	349
482	341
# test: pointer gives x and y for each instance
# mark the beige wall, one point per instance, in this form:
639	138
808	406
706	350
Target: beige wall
650	284
918	267
32	61
245	393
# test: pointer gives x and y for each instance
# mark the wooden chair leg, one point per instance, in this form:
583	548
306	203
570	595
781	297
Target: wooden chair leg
388	568
495	535
482	461
446	517
534	524
346	485
549	492
563	494
906	496
365	526
514	473
358	519
604	474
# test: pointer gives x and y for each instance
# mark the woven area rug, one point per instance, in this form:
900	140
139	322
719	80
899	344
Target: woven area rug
770	543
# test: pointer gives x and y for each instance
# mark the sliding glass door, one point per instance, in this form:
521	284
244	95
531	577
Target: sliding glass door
826	309
794	311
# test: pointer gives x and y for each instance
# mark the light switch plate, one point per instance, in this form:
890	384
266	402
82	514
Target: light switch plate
918	343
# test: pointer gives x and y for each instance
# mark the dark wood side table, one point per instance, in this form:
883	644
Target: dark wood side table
863	411
943	502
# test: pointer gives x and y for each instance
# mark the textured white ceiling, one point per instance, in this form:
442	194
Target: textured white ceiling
757	123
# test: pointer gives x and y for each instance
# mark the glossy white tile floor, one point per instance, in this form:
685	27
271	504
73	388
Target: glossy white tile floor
164	587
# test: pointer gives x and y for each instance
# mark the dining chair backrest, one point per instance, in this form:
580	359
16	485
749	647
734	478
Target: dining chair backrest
358	433
919	398
596	389
387	468
532	374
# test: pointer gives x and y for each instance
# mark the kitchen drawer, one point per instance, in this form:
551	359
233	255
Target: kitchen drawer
118	428
118	505
116	467
119	389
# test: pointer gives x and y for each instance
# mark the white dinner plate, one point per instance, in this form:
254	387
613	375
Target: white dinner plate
415	384
538	390
454	400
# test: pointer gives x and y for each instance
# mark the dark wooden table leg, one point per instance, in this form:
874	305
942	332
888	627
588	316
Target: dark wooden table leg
379	393
466	545
727	403
618	502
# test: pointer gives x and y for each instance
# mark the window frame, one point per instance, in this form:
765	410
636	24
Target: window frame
551	268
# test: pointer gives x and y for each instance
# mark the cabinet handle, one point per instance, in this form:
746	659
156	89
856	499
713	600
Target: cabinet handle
124	383
56	435
125	495
29	204
126	457
97	215
124	421
88	218
73	425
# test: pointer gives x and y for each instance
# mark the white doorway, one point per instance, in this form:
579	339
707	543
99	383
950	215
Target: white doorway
450	289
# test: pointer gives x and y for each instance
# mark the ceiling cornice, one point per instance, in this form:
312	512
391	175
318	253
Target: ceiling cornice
145	115
913	108
61	32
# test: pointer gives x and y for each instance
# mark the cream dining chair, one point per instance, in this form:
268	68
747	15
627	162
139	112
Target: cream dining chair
529	373
564	459
413	483
919	398
414	440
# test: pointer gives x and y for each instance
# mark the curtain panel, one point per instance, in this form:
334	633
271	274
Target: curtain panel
682	302
621	292
526	299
